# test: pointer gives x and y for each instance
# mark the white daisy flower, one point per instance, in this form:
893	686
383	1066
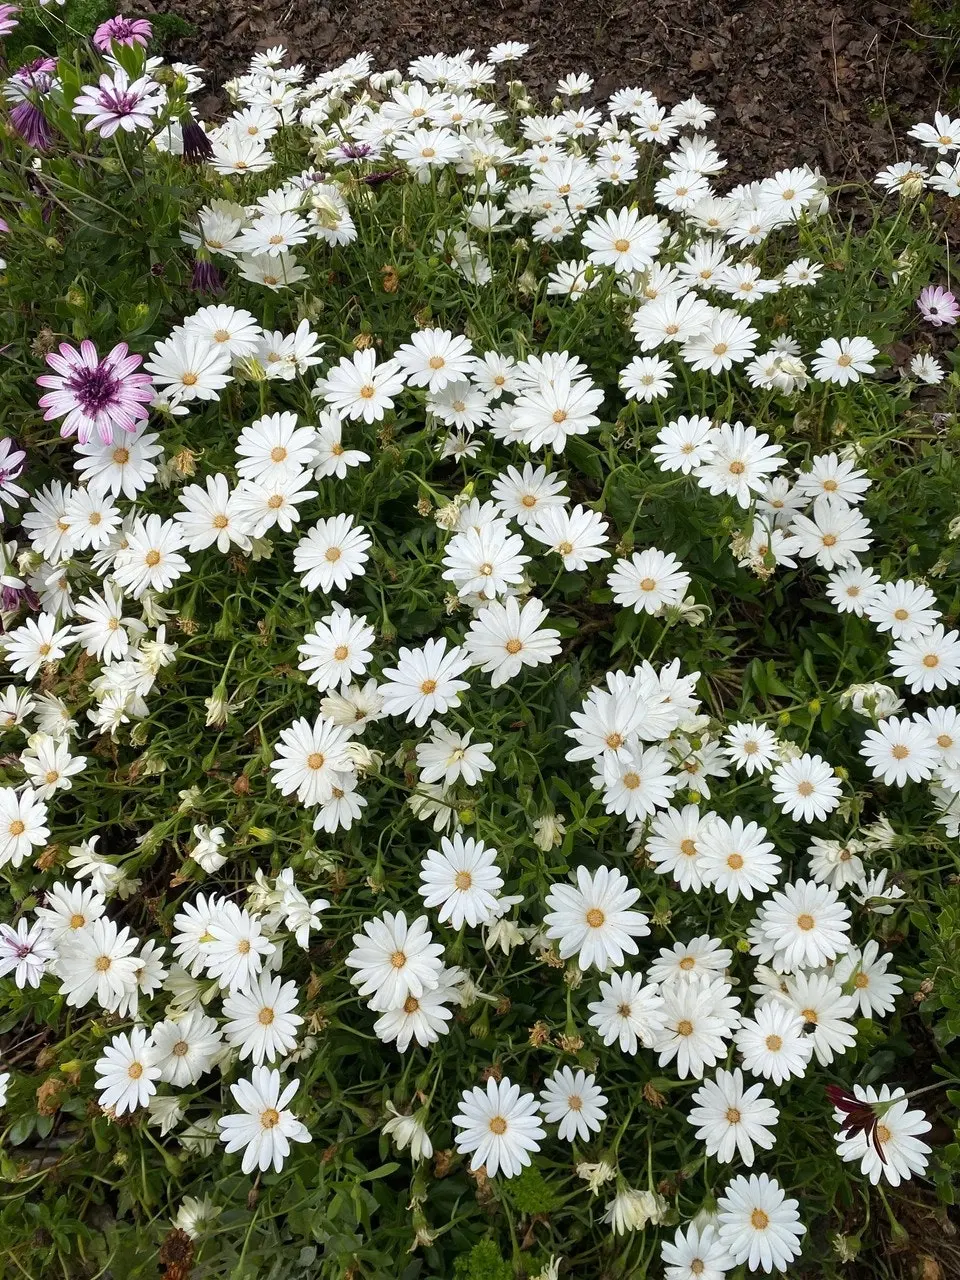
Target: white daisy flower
499	1127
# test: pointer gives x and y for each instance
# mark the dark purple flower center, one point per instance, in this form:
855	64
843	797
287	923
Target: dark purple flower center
95	389
118	102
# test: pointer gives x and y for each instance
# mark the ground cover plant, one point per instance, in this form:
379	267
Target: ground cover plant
480	786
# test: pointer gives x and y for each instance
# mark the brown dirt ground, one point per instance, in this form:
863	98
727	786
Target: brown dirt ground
792	80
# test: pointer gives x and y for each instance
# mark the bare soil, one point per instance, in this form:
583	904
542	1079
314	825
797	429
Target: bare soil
793	81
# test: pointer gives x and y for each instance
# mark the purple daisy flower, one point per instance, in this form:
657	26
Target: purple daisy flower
12	459
196	145
348	152
381	176
27	88
31	124
91	394
205	278
938	306
121	30
118	103
8	18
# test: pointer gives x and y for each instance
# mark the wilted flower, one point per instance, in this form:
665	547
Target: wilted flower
409	1131
631	1210
549	831
596	1175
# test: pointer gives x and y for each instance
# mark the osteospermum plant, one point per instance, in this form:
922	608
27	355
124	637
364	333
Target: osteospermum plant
480	724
